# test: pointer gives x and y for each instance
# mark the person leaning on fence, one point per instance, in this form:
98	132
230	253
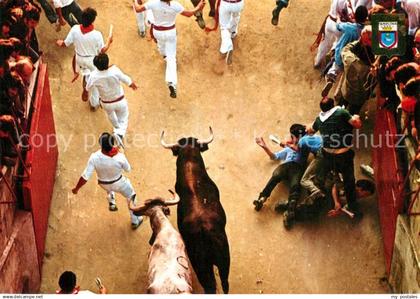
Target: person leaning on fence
385	75
24	27
8	141
358	60
402	75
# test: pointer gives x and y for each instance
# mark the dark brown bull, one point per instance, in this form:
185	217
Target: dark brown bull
199	15
169	271
201	218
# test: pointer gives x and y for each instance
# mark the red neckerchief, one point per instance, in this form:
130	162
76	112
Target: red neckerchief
111	153
86	29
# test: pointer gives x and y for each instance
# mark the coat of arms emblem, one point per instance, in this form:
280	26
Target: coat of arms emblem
388	35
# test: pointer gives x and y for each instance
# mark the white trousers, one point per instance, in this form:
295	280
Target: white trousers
123	187
334	72
118	115
331	36
84	65
166	42
144	19
229	16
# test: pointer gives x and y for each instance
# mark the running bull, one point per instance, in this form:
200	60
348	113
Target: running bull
199	15
201	218
169	271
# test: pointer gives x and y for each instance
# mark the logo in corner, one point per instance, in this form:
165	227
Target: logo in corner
388	35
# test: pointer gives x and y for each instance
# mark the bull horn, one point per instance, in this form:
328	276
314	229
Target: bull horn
164	144
174	200
135	208
208	140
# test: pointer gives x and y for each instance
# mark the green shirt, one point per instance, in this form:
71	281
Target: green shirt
336	131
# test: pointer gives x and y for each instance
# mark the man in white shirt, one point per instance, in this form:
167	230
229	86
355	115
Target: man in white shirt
107	82
229	16
109	165
163	30
88	43
68	10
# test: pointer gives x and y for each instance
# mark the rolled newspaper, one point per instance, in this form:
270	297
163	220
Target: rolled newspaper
99	283
111	30
275	139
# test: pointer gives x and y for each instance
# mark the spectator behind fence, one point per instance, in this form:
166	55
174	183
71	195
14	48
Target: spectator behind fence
24	68
385	75
5	28
402	75
8	141
416	48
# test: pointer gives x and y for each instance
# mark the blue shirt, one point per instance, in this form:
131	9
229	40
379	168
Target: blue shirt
309	144
351	32
288	155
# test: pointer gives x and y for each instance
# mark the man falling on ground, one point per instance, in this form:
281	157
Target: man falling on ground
106	81
88	43
109	165
290	169
163	30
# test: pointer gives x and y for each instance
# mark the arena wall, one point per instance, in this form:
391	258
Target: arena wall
19	268
24	207
41	161
388	179
400	230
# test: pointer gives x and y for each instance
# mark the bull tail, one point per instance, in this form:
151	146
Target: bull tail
199	253
223	261
320	36
216	19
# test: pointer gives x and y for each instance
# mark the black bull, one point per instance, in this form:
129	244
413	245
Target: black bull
201	218
199	14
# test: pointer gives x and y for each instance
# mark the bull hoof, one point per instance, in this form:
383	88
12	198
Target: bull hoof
201	22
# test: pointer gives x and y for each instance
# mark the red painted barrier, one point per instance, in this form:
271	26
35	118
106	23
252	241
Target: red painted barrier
41	161
388	179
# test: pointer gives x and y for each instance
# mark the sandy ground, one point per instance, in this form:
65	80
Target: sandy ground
270	86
